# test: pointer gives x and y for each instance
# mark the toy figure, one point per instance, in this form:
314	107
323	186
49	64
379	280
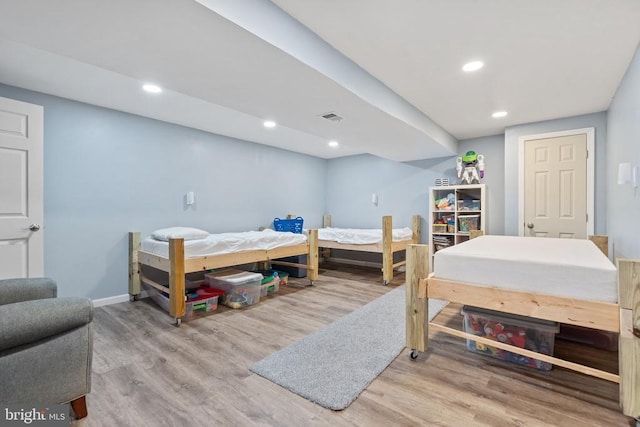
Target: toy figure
473	163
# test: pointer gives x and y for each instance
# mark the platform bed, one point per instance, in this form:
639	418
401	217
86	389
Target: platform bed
177	265
622	317
386	246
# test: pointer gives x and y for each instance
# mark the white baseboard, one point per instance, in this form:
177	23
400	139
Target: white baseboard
115	300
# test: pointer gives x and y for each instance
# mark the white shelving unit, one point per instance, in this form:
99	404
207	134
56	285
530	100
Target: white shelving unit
468	212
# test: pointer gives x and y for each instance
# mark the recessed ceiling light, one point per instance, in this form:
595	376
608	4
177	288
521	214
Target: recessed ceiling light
151	88
269	124
473	66
333	144
499	114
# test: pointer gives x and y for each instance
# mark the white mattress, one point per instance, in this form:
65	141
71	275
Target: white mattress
361	236
572	268
225	243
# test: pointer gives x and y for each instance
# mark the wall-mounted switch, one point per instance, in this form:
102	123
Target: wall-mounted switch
374	199
191	198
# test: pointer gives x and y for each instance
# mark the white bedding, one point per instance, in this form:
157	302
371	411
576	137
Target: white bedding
361	236
225	243
572	268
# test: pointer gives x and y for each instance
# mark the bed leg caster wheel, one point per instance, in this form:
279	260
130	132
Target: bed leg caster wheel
311	282
385	282
413	354
178	322
134	298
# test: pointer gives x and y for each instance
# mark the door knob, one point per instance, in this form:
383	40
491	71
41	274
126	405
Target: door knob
530	225
34	227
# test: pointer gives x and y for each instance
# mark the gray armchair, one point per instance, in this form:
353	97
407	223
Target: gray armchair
46	345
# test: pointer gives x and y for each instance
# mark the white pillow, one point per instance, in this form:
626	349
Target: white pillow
186	233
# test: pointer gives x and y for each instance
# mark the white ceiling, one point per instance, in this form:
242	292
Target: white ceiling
391	69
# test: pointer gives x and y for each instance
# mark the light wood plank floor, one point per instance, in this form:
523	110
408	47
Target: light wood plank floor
147	372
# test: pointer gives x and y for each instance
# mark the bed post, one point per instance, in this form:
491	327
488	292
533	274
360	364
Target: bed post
177	306
134	266
387	254
312	258
629	343
417	302
416	226
326	222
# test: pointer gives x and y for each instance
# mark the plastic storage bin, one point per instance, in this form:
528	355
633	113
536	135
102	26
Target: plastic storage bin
468	205
284	277
203	304
241	288
270	287
439	228
468	222
524	332
293	225
270	283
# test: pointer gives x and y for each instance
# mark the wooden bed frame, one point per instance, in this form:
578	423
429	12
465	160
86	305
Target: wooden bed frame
622	318
387	247
176	265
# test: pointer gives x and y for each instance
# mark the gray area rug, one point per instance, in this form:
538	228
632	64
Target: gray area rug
331	367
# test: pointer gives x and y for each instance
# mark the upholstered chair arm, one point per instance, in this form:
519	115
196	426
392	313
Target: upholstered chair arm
26	289
30	321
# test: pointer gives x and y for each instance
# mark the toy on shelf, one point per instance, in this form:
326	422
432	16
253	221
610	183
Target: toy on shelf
446	203
470	167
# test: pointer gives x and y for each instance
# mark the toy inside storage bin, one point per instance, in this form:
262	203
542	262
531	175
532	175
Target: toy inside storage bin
241	288
206	301
293	225
468	222
520	331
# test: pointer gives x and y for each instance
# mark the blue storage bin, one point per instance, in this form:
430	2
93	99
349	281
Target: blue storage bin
293	225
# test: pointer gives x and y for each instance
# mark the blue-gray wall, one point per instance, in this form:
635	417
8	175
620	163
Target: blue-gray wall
107	173
511	155
623	138
492	147
403	188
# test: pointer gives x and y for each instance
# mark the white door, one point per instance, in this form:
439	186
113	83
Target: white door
555	186
21	189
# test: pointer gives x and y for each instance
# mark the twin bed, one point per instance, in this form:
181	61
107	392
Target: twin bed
178	256
178	251
386	241
569	281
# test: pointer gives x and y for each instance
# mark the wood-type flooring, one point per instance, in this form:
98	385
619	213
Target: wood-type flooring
147	372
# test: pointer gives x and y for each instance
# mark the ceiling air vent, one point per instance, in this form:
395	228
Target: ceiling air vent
332	116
